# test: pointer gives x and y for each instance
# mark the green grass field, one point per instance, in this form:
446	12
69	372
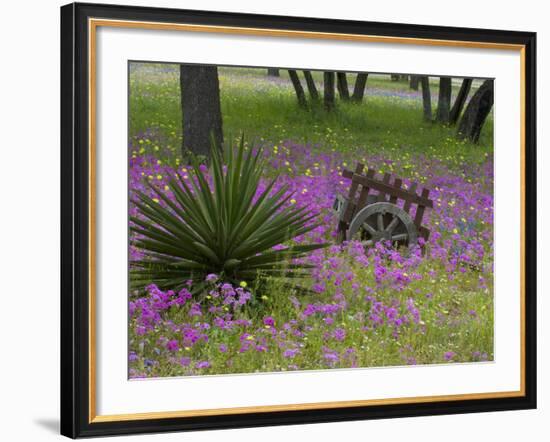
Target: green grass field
388	123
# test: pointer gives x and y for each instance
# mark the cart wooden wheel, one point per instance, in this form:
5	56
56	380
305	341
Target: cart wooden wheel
383	221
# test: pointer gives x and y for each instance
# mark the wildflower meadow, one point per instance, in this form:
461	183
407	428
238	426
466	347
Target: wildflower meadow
220	284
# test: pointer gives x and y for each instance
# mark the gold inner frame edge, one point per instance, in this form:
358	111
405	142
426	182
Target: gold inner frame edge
93	23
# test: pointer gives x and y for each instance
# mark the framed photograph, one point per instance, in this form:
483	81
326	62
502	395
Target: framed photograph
274	220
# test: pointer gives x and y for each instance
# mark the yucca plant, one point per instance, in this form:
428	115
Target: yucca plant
223	225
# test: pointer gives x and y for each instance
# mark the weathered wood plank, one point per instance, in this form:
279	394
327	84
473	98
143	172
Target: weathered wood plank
381	194
424	232
354	184
421	208
407	195
365	191
397	184
352	191
408	201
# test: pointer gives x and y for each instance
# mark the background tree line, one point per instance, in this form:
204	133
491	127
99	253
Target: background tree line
201	109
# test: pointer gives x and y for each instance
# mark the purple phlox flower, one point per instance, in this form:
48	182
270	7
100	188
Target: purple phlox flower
227	288
415	313
391	313
183	296
244	296
202	364
290	353
309	310
449	355
331	356
318	287
339	334
211	277
195	310
172	345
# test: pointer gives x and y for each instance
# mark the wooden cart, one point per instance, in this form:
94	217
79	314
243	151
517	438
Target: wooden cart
371	211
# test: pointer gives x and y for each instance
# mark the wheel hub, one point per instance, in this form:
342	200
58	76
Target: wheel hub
383	221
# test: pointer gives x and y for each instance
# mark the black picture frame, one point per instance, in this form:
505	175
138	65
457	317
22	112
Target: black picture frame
75	219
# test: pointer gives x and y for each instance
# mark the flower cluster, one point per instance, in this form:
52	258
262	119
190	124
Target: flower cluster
367	307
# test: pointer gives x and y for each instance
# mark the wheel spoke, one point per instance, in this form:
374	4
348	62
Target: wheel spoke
400	237
369	228
392	225
380	220
383	221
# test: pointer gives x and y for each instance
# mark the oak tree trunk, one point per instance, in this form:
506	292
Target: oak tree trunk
426	98
273	72
300	94
413	83
312	89
343	89
476	112
359	88
444	101
328	98
201	112
460	100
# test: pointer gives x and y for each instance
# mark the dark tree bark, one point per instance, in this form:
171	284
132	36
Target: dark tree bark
201	112
328	80
359	88
342	83
312	89
413	83
444	101
460	100
399	77
273	72
426	98
300	94
476	112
